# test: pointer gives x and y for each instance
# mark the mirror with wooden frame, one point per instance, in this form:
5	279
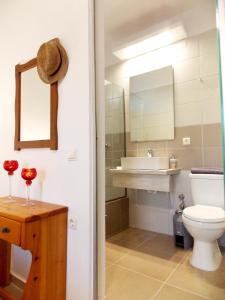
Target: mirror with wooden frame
36	108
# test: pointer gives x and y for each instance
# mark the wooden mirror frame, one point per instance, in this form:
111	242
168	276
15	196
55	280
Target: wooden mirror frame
52	143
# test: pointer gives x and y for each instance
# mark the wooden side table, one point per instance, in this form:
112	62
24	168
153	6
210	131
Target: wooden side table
41	229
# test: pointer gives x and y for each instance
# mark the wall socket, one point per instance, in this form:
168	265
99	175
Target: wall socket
186	141
72	223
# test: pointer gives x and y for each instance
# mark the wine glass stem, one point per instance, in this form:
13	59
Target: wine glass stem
28	194
10	186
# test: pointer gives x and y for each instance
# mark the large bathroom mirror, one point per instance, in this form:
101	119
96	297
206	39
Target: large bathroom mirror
36	109
152	106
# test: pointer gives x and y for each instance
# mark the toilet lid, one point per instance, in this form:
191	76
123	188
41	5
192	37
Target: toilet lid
205	214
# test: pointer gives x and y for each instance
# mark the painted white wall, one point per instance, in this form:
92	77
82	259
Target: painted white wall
24	26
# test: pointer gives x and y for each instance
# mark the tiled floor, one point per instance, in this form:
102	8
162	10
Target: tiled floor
142	265
15	291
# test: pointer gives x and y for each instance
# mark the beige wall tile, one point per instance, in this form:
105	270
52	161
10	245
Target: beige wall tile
116	155
156	152
130	145
108	162
212	157
131	153
212	135
151	145
108	154
204	140
188	157
194	132
117	215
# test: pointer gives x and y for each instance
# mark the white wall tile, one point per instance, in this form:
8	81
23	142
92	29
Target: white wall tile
189	91
186	70
154	211
209	65
208	43
211	110
210	86
147	218
189	50
188	114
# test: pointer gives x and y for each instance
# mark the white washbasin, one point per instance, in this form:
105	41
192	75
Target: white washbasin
145	163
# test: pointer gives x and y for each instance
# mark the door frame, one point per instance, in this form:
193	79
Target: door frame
100	143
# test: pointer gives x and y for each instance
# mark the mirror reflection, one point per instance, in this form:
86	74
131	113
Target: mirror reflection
152	106
35	107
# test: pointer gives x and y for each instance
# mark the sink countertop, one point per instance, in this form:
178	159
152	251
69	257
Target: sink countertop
145	172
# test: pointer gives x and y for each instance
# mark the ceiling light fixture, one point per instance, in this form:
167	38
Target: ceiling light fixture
151	43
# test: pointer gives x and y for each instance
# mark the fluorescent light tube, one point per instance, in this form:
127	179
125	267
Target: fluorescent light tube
151	43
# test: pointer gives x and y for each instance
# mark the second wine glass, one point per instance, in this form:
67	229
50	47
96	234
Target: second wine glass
28	174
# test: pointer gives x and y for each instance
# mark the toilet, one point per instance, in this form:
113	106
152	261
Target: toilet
205	221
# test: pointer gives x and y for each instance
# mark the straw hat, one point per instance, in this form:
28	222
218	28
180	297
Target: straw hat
52	61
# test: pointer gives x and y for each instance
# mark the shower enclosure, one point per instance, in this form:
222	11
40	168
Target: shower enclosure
115	148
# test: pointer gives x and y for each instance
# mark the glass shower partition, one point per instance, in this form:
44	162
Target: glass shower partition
115	146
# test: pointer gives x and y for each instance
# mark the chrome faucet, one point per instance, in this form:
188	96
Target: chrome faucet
150	153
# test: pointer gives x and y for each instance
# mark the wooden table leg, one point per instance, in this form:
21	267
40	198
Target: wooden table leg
47	241
5	259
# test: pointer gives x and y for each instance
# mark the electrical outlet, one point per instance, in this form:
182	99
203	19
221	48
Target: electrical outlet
186	141
72	223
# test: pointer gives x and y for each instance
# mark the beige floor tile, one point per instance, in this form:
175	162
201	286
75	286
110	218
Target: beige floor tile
131	238
208	284
150	265
15	291
128	244
126	285
171	293
108	264
163	246
156	256
114	252
133	235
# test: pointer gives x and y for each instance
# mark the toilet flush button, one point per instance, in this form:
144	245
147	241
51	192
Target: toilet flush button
186	141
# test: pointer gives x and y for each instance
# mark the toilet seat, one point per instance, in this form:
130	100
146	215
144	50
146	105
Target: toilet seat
204	214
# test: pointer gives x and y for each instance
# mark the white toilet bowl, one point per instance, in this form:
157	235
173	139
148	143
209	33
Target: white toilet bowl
206	224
